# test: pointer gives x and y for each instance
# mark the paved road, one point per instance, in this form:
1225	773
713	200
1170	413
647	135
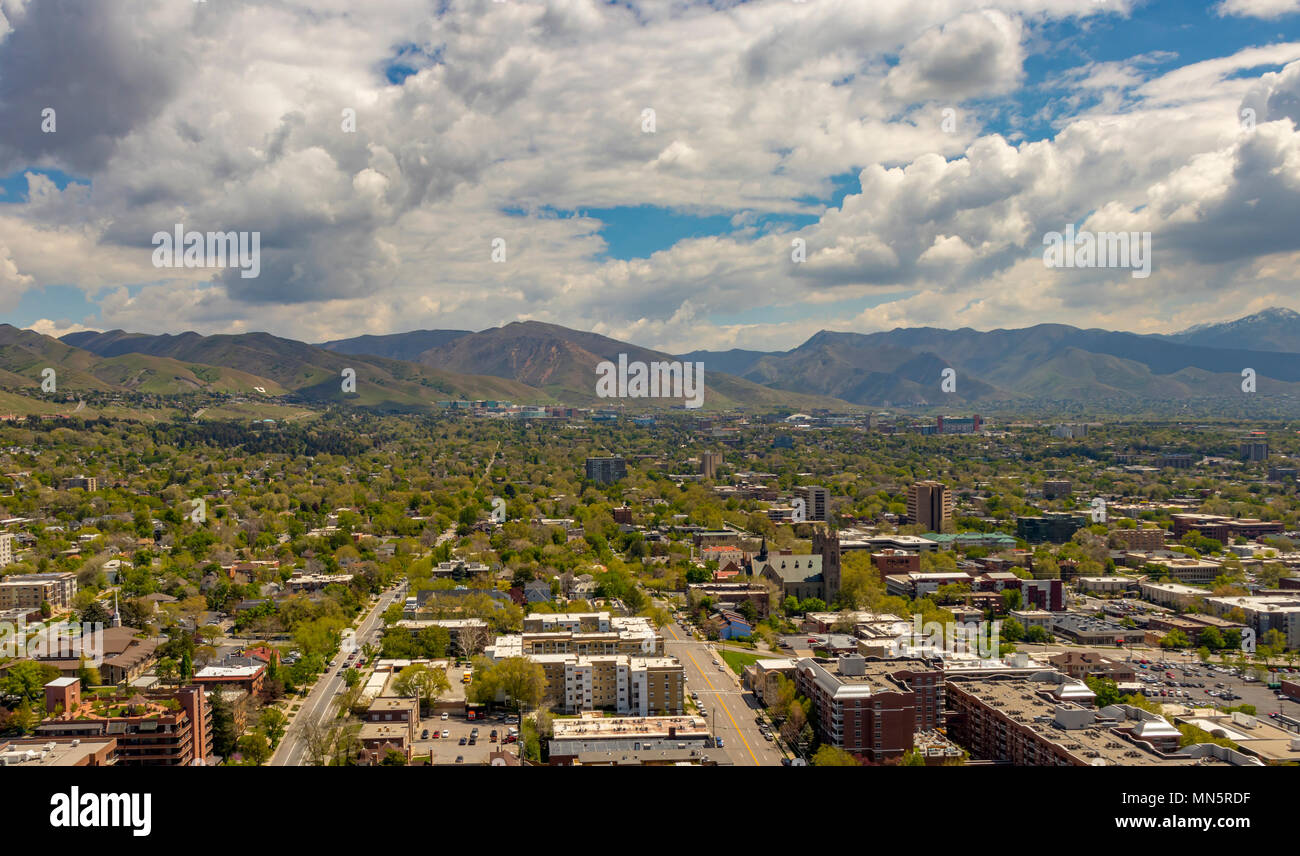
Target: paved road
319	705
731	710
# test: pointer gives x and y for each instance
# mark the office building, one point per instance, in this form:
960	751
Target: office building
606	470
1051	527
1187	570
896	562
957	425
1224	529
929	504
595	740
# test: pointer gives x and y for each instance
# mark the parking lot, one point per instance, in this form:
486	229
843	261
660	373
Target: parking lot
1199	684
447	749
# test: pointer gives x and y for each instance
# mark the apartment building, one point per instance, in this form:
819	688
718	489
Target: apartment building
709	463
465	636
1033	722
734	594
86	483
573	622
637	686
6	550
606	470
1057	488
1147	538
929	504
871	708
816	502
152	729
29	591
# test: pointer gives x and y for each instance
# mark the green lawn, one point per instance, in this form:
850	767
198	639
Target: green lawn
738	661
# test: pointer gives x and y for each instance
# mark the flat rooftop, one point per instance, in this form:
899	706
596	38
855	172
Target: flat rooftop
595	727
1097	744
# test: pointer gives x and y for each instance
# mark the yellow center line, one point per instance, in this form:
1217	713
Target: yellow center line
754	757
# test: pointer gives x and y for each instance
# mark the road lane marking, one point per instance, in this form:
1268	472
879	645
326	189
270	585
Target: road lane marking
720	701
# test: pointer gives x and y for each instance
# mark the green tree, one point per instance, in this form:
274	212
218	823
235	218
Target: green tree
427	682
27	679
830	756
255	748
273	724
225	735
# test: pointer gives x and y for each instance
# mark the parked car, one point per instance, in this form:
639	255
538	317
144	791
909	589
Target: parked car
424	735
444	715
446	733
460	759
464	740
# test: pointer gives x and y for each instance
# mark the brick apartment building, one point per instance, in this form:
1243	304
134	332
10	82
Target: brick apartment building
1042	723
154	729
871	708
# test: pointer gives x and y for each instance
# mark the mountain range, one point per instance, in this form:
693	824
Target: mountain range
534	362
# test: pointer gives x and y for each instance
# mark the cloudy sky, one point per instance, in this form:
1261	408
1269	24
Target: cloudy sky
648	166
